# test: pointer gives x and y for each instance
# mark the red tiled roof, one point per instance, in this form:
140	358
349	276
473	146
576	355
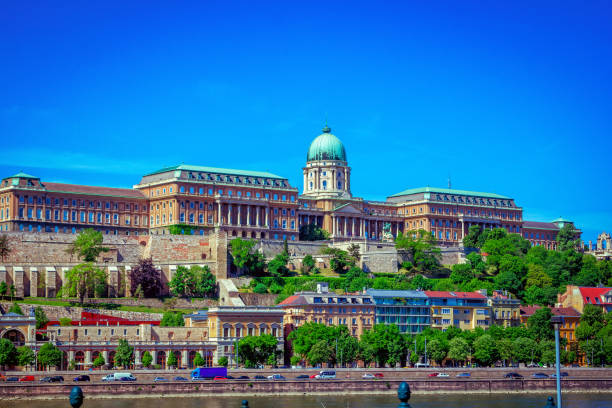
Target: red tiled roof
94	190
289	301
592	294
557	311
459	295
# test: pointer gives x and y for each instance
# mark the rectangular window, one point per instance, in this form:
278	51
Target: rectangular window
74	216
83	216
107	218
116	218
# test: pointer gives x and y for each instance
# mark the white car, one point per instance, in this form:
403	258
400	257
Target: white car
368	376
443	375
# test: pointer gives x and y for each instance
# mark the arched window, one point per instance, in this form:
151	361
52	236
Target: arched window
324	184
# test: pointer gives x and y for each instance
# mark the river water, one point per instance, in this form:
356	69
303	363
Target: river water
340	401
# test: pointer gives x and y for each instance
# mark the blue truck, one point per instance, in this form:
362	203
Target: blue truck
208	373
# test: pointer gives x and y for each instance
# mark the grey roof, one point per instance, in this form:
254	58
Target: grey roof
448	191
199	315
396	293
215	170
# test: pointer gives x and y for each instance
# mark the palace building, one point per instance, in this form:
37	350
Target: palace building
261	205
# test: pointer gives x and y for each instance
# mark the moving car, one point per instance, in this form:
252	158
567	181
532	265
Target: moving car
368	376
433	375
326	375
302	377
27	378
219	378
445	375
259	377
277	377
562	374
180	379
243	377
160	379
82	378
378	375
513	375
12	379
464	375
119	377
539	375
45	379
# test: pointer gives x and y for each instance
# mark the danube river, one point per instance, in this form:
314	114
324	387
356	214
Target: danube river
592	400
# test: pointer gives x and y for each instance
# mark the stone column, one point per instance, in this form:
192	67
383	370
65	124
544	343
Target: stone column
70	356
239	219
184	359
229	214
33	281
154	356
137	357
354	232
219	214
249	215
257	211
267	217
88	357
376	228
105	356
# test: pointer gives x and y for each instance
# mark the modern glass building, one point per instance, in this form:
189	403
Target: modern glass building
408	309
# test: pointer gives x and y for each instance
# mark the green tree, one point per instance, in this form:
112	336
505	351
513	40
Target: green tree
124	354
172	360
505	348
3	288
312	232
172	319
65	321
472	238
321	352
41	317
436	350
223	362
566	238
353	251
458	349
83	279
421	248
547	352
539	326
255	350
8	353
355	279
485	350
99	361
278	266
246	258
205	282
347	346
385	344
147	359
15	308
49	355
307	335
589	274
25	356
88	245
461	273
540	296
339	260
308	265
198	361
182	283
537	277
260	288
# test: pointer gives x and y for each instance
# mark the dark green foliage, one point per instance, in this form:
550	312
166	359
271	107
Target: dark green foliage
566	238
308	265
246	257
124	355
172	360
147	359
3	288
41	317
421	248
277	267
539	325
8	353
99	361
462	273
198	360
172	319
195	281
25	356
15	308
223	362
255	350
181	229
88	245
5	248
339	261
311	232
260	288
49	355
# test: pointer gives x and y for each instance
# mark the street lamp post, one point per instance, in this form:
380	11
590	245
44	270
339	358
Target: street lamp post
556	321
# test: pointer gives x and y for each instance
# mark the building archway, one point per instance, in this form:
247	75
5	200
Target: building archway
79	359
191	357
15	336
161	359
208	358
111	359
179	357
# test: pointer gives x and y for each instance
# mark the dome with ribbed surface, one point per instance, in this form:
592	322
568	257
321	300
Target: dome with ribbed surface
326	147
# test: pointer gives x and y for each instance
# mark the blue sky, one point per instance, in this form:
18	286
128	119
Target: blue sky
506	97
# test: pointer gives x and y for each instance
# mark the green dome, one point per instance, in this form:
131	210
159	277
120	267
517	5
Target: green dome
326	147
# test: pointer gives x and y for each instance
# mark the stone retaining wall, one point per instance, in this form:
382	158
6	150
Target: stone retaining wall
74	313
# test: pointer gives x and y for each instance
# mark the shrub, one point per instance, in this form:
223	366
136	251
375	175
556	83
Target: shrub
260	288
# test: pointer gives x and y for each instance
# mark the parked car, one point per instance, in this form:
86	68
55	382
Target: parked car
302	377
513	375
180	379
243	377
562	374
539	375
313	376
368	376
445	375
433	375
378	375
276	377
82	378
421	365
12	379
464	375
160	379
229	377
2	377
259	377
27	378
532	365
326	375
219	378
45	379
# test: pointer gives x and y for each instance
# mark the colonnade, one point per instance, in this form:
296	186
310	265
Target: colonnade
357	227
243	215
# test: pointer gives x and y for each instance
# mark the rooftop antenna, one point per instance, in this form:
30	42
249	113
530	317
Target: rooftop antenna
449	182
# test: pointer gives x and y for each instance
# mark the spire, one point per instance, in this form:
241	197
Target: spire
326	129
